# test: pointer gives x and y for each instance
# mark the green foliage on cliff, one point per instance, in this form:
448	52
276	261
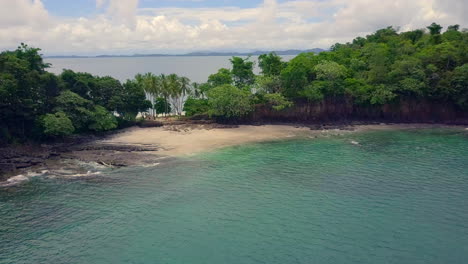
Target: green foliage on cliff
385	66
277	101
424	64
229	101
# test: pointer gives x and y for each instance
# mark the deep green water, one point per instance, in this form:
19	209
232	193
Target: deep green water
399	197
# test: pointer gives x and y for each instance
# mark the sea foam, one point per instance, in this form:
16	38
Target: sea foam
18	179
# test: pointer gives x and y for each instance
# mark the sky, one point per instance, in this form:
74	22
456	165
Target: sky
92	27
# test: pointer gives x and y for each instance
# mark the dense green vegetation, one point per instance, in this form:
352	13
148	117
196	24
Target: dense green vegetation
382	68
35	104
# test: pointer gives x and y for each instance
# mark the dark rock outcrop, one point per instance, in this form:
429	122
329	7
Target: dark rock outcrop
343	110
150	123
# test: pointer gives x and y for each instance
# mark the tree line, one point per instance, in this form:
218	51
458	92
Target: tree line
381	68
35	104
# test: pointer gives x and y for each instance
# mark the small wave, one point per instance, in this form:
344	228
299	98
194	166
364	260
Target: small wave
87	174
88	164
15	180
72	174
355	142
151	165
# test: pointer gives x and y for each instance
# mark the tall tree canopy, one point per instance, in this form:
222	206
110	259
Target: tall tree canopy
242	71
381	68
35	103
271	64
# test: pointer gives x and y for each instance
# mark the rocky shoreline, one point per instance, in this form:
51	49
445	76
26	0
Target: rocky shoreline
98	149
16	160
19	159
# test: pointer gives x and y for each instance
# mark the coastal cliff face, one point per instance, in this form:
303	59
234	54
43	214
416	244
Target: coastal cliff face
344	110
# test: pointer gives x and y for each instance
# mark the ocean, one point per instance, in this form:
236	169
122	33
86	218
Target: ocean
368	197
196	68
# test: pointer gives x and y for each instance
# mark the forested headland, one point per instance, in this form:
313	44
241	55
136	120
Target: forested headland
37	105
414	76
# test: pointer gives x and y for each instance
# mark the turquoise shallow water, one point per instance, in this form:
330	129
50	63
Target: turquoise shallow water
398	197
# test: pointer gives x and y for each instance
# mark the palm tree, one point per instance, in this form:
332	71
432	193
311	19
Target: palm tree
141	81
175	88
195	90
185	89
150	84
154	88
170	87
198	91
165	89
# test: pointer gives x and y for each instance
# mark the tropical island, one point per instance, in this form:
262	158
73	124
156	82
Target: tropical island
419	76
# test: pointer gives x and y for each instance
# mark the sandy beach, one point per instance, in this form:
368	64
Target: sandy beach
191	140
139	146
186	141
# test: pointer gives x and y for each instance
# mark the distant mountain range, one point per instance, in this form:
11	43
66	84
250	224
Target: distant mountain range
200	53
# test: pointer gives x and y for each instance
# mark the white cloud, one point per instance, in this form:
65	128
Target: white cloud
100	3
124	11
22	13
120	11
294	24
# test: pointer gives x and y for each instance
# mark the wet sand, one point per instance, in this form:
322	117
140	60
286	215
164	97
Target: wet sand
186	141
